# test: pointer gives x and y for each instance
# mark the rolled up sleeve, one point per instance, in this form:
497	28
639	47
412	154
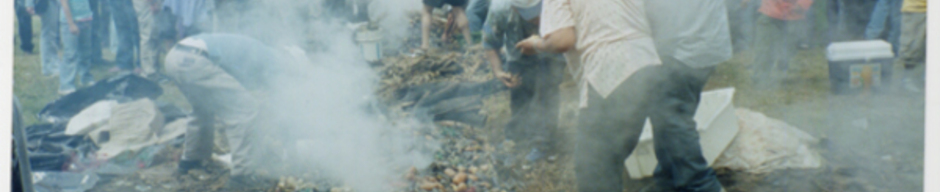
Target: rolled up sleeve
556	14
492	35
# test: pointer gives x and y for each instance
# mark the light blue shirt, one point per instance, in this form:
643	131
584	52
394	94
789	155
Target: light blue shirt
694	32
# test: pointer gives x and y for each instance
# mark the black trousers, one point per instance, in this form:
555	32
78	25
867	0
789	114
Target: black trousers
609	130
125	25
535	104
25	21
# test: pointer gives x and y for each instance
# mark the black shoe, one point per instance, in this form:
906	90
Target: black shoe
248	183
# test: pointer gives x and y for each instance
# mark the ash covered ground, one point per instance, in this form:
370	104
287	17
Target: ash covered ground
870	142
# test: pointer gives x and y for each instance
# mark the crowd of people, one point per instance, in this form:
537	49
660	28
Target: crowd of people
137	30
631	60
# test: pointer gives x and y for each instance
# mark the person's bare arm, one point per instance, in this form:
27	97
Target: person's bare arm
507	78
68	16
559	41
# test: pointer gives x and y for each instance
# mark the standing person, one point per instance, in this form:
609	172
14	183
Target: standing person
913	50
125	24
612	55
886	18
48	11
146	9
533	79
691	40
76	32
778	35
460	18
742	15
25	21
215	72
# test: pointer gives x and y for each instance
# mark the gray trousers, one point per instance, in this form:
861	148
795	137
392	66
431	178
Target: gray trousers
609	130
216	97
535	104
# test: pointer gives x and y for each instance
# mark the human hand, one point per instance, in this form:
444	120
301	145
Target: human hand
31	10
508	79
530	45
73	28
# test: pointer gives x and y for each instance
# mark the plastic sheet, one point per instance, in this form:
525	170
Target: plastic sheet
127	87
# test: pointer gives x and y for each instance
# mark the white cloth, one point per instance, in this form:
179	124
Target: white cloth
613	40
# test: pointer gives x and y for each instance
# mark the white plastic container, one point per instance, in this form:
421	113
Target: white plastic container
858	66
716	123
370	44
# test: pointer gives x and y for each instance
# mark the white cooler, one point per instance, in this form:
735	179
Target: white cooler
717	125
858	66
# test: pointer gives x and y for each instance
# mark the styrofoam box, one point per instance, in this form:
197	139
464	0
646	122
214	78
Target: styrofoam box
716	123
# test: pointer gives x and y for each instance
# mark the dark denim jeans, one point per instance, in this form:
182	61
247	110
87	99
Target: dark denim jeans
535	104
25	21
125	25
476	14
609	130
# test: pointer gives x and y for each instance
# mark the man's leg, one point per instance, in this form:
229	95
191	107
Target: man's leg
676	140
86	43
879	16
461	19
765	47
609	129
426	25
25	25
476	14
913	49
122	12
49	39
147	45
97	31
547	104
71	58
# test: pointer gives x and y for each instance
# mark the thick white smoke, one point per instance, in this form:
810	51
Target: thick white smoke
325	107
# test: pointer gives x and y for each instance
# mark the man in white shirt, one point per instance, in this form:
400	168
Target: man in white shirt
612	54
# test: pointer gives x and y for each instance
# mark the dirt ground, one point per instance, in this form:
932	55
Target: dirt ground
870	142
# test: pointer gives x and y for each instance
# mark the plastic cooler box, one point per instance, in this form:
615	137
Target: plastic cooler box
858	66
716	123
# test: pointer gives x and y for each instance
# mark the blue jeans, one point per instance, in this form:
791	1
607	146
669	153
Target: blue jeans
49	38
476	14
77	56
125	25
25	28
887	14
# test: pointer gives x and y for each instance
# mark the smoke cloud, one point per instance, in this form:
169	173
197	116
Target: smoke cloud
324	112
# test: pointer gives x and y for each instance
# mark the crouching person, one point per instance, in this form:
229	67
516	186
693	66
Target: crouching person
215	72
533	78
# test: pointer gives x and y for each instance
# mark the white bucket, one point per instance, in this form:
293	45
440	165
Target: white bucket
370	44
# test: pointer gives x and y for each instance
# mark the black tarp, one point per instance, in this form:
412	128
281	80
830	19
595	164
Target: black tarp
125	87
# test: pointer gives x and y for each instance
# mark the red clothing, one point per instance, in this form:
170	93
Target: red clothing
785	9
